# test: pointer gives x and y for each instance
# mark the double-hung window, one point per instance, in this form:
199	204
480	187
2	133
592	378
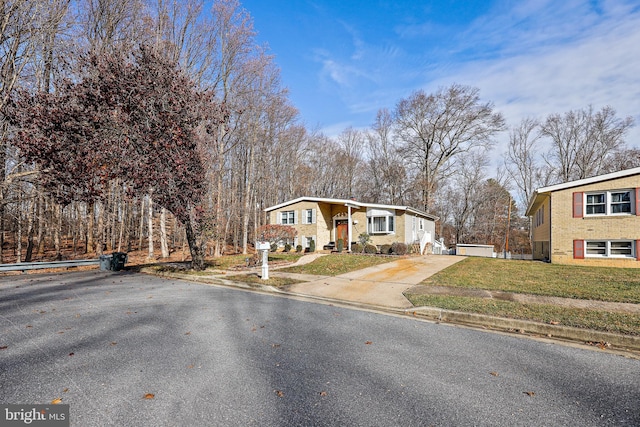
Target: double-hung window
288	217
610	248
609	202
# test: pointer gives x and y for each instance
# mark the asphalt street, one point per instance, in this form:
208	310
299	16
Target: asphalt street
125	349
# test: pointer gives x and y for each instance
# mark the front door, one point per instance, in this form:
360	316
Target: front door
342	233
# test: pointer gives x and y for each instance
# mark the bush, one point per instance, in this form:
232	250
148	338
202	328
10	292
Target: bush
399	248
356	248
370	249
287	247
312	245
385	249
299	248
339	245
274	247
364	239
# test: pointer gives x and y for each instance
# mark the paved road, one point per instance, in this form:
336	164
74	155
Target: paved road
215	356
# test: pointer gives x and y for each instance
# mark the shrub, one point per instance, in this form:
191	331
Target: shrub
339	245
385	249
370	249
364	239
299	248
287	247
356	248
312	245
399	248
274	247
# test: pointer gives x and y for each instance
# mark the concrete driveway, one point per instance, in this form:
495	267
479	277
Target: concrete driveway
381	285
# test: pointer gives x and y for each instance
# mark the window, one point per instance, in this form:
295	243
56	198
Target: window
288	217
540	217
609	202
610	248
621	202
309	216
381	224
381	221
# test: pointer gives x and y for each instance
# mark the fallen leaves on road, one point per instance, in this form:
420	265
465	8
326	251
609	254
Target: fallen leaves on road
529	393
4	347
495	374
113	343
71	354
279	393
56	401
64	390
187	333
275	345
149	396
368	342
323	393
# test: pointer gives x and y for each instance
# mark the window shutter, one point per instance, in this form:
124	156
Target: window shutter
313	216
279	218
578	249
304	217
637	201
295	217
577	205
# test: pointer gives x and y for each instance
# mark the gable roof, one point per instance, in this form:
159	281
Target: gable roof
541	193
354	204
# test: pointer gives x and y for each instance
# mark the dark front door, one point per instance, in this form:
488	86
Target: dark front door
342	233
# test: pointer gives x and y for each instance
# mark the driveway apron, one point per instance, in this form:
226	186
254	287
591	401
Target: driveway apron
380	285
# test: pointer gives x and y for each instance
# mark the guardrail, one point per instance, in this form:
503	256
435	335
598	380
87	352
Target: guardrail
23	266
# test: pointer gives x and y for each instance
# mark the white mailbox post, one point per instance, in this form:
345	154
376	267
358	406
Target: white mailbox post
264	247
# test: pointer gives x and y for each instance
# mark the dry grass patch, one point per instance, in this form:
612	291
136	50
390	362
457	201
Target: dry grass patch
336	264
538	278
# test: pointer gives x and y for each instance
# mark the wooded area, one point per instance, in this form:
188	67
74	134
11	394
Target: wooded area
154	125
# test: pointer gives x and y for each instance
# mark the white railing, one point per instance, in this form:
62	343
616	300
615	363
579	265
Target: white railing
23	266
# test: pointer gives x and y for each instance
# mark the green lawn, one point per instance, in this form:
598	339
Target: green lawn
537	278
335	264
579	318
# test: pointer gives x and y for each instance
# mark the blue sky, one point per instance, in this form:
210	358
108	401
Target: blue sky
343	60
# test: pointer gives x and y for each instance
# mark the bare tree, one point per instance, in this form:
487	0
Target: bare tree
386	170
438	127
583	140
523	161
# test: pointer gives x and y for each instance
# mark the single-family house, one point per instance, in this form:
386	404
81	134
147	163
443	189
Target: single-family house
593	221
330	220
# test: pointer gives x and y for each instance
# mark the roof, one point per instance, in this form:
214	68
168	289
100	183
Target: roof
353	204
541	193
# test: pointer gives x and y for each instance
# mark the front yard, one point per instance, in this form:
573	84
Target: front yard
536	278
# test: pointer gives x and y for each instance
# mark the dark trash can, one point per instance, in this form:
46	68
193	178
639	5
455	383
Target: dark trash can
105	262
118	261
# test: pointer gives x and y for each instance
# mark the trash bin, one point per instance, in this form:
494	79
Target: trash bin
118	261
105	262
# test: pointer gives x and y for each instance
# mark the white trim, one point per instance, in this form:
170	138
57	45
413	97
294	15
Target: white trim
353	204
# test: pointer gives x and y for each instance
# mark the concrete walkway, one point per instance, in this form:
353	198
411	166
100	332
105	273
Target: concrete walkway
381	285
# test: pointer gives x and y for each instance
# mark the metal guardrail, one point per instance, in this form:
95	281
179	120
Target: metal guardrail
23	266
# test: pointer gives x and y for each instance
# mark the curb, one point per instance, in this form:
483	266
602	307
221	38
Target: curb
583	336
623	342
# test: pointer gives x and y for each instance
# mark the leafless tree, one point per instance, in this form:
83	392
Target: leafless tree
436	128
583	140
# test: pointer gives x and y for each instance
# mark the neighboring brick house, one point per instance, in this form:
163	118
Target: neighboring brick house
330	220
593	221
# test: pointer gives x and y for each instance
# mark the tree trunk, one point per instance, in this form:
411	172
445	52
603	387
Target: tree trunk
57	232
150	225
197	257
164	247
100	231
140	237
90	219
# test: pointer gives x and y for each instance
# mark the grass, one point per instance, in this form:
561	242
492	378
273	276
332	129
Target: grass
335	264
254	279
537	278
621	323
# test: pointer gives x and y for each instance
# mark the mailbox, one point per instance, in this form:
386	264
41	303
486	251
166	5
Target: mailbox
263	246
